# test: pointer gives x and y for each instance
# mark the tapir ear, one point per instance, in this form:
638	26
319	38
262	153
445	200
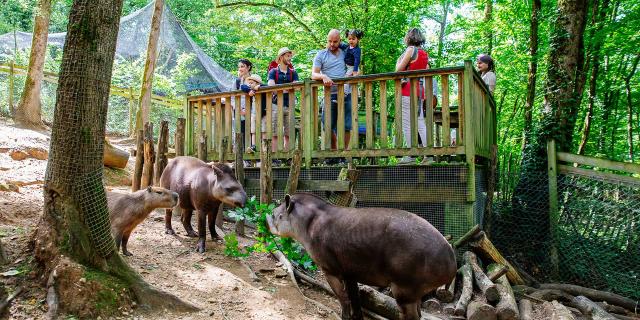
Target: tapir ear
288	203
149	189
217	170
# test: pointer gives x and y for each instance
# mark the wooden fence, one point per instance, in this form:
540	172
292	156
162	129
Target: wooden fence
472	114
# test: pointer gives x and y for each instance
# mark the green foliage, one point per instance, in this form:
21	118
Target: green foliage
256	213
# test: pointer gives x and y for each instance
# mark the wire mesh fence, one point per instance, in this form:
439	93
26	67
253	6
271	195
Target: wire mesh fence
597	236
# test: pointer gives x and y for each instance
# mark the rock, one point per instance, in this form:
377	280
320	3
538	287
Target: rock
38	153
281	273
18	155
9	187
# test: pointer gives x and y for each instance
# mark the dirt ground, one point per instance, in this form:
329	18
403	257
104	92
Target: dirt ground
221	286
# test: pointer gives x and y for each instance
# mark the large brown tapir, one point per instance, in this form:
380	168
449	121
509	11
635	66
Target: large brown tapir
375	246
203	187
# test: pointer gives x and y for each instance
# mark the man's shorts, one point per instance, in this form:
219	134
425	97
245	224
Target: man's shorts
334	112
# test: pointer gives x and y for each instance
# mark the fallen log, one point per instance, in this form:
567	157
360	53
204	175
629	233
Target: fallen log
445	292
485	248
448	309
485	285
497	272
590	308
467	236
525	309
5	304
552	294
479	310
613	308
596	295
556	311
467	290
432	305
507	309
379	303
114	157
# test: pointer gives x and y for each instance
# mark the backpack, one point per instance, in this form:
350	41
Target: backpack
273	64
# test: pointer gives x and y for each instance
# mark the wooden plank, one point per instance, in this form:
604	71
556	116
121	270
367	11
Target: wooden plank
218	127
353	144
269	121
228	122
554	215
470	151
237	117
309	116
398	118
340	123
279	121
311	185
209	124
179	138
599	162
413	114
370	126
201	106
188	129
327	119
411	194
316	114
258	105
383	115
446	131
292	120
428	117
607	176
461	109
398	152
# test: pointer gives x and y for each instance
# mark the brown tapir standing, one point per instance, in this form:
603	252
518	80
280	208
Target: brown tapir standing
375	246
200	186
127	210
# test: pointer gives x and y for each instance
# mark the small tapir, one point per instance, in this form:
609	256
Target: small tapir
128	210
374	246
200	186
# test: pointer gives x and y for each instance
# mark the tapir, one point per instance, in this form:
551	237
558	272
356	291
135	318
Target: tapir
374	246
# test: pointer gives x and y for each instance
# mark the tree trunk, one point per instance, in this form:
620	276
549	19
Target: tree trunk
28	113
73	236
442	35
598	17
488	25
627	86
533	70
147	79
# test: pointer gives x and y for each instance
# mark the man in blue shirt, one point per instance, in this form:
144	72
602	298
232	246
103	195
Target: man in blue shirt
281	75
327	64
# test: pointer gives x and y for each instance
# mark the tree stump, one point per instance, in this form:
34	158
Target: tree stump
137	173
526	310
179	137
485	285
239	171
266	179
202	147
161	160
479	310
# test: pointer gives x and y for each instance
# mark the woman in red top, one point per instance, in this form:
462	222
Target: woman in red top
413	58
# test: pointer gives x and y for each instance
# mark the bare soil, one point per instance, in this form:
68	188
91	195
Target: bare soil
221	286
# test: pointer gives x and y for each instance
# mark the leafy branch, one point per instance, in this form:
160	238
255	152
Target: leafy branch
275	6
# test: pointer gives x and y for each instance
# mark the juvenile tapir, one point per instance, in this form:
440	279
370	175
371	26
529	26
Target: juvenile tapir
203	187
128	210
375	246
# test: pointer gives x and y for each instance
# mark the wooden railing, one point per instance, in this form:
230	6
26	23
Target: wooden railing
464	104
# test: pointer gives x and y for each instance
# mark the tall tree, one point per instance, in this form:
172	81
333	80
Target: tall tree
74	232
598	16
627	85
28	113
533	70
150	66
488	25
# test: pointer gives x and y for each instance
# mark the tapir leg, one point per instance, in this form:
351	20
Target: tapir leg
186	222
354	297
338	287
407	301
211	217
125	239
168	229
202	230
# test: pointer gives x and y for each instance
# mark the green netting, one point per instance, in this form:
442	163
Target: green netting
597	236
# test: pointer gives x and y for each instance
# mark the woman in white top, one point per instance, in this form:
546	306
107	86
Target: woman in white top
487	70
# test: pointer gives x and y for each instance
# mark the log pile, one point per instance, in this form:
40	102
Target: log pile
488	287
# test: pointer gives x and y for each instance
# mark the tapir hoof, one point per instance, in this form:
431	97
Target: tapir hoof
192	234
200	247
127	253
170	232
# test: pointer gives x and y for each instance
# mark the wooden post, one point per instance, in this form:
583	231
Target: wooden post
398	118
179	139
491	187
469	137
308	138
368	102
553	205
132	112
383	115
202	146
239	169
161	159
221	159
137	173
294	173
266	181
149	156
11	73
188	129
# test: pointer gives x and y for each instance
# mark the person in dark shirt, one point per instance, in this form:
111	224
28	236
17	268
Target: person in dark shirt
353	53
281	75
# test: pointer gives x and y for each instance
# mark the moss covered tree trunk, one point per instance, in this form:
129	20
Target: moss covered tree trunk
28	114
533	70
73	236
